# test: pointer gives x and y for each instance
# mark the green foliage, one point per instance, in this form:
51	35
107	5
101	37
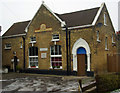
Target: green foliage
18	67
108	82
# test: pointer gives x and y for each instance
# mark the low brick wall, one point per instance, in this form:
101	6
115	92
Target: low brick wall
107	82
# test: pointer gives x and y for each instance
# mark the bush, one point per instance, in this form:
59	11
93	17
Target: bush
107	82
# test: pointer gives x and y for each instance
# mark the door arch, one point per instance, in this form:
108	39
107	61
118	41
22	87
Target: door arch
81	50
80	43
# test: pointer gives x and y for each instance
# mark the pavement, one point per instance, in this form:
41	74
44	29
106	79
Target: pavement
15	82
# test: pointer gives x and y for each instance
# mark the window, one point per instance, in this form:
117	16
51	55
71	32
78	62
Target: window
98	40
20	44
113	39
8	46
32	39
105	19
106	43
33	57
55	37
56	57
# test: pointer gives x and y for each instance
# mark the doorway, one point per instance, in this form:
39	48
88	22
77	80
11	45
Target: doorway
81	61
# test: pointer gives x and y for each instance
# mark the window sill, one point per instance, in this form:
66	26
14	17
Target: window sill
33	67
56	68
7	48
56	55
106	49
32	42
55	40
98	41
113	42
105	25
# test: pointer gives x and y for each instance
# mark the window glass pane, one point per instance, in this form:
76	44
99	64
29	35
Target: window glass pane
106	42
52	50
33	61
56	36
60	50
33	51
56	50
33	38
56	61
8	45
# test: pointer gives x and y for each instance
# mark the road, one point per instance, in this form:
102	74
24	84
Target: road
44	83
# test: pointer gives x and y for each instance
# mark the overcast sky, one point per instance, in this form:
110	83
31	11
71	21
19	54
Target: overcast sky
12	11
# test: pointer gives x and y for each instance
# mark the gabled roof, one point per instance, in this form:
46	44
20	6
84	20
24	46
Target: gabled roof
79	18
16	28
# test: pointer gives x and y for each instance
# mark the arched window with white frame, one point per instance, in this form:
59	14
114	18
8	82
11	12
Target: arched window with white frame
105	18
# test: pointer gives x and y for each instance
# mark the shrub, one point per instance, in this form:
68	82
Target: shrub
107	82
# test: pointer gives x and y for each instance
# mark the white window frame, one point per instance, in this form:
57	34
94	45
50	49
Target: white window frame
98	38
29	61
105	19
32	41
21	46
106	43
54	56
57	35
6	47
113	39
34	61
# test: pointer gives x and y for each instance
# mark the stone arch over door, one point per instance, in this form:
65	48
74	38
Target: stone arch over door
80	43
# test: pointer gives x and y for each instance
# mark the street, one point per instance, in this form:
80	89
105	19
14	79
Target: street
44	83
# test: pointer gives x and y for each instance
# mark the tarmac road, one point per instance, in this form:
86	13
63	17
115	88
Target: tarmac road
43	83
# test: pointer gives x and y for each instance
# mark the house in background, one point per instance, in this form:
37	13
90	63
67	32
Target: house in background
71	42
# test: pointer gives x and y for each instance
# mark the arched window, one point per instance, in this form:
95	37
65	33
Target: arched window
56	56
105	18
106	43
33	57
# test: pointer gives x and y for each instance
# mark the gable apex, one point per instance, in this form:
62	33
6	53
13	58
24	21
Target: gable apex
98	13
43	4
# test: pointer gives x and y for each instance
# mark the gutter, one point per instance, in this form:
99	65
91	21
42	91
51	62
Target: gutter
14	35
76	27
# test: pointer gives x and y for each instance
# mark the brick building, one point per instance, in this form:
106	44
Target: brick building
70	42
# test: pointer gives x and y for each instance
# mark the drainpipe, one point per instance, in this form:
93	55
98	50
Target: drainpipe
67	50
69	53
23	52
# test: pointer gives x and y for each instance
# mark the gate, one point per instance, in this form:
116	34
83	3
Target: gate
113	63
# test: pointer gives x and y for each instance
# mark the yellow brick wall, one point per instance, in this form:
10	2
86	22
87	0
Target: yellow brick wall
44	38
7	54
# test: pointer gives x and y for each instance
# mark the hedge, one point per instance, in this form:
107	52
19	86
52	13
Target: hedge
107	82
